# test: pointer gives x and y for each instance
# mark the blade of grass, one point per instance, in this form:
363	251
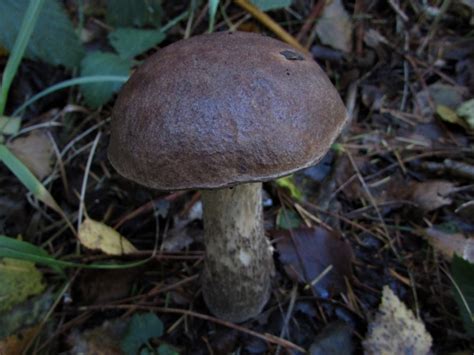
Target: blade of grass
31	182
68	83
17	249
21	42
213	4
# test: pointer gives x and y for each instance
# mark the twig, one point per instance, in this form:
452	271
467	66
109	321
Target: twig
269	23
84	181
284	328
398	10
267	337
315	12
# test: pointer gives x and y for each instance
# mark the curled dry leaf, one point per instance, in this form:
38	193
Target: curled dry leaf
431	195
98	236
395	330
449	244
312	252
35	151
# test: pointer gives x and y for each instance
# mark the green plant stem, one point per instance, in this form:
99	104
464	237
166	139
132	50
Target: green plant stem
21	42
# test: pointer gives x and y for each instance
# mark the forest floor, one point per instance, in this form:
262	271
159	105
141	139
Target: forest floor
390	204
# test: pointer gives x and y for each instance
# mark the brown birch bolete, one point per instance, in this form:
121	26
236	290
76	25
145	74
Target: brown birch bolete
223	112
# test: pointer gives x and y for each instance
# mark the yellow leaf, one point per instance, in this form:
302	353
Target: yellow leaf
450	116
395	330
18	280
98	236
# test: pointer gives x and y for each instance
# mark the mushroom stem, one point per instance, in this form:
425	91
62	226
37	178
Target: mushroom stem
239	263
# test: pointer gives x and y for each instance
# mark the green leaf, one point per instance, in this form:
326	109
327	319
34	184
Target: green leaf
140	329
129	42
138	13
289	183
100	63
18	281
53	40
267	5
28	179
463	276
9	125
288	219
17	249
166	349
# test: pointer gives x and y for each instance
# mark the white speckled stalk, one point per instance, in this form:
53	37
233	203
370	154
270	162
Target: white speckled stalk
239	263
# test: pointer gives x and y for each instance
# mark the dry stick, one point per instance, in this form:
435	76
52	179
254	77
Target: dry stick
284	329
267	337
84	181
268	22
384	226
156	290
147	207
315	12
398	10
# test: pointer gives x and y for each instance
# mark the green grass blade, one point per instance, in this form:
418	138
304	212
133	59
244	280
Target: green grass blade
17	249
213	4
27	26
68	83
27	178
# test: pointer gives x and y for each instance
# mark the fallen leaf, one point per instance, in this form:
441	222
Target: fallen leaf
288	219
441	94
334	27
314	251
98	236
334	339
35	151
395	330
449	244
466	110
432	195
120	336
102	340
103	286
450	116
17	343
18	280
25	314
141	328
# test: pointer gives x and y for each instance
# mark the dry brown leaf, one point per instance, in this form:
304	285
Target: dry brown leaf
431	195
449	244
16	343
310	254
102	340
395	330
98	236
334	27
35	151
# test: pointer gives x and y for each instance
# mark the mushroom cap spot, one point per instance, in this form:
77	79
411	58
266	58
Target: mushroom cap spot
222	109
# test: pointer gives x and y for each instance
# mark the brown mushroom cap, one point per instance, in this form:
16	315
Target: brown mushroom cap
221	109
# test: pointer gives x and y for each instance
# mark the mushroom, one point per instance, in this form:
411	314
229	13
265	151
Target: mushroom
222	113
